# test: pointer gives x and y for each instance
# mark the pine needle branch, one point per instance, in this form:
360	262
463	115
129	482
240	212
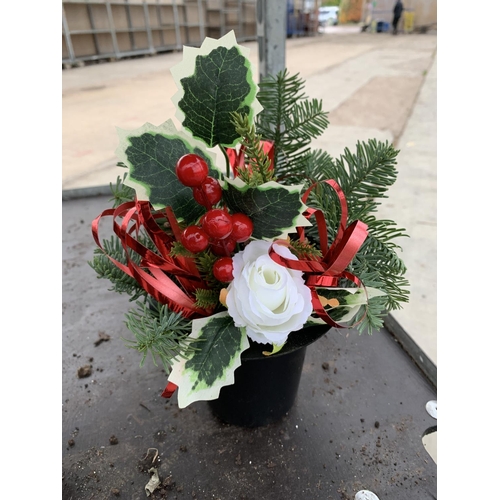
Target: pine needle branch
258	164
207	299
102	265
121	192
289	119
160	333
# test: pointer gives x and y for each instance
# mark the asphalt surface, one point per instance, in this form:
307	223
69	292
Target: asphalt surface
357	422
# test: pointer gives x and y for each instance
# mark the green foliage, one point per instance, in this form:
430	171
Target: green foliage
205	263
364	176
121	192
371	317
121	282
208	114
221	347
305	250
179	250
207	299
273	208
289	119
152	158
159	332
257	165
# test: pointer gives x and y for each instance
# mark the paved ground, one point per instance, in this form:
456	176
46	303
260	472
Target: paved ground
374	85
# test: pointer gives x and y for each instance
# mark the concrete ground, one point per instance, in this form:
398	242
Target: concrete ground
373	85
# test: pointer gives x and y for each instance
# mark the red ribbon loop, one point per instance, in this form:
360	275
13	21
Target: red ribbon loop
327	271
151	273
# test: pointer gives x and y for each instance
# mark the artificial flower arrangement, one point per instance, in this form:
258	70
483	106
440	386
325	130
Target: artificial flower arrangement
274	239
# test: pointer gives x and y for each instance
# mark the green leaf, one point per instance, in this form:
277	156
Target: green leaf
215	81
275	210
151	153
342	304
212	366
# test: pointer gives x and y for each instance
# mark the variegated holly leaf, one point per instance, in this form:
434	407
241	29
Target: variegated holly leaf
201	376
151	154
276	210
342	304
214	81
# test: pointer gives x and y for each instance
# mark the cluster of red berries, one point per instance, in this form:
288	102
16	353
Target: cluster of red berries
218	229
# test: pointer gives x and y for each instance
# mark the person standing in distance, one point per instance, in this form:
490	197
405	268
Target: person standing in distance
398	10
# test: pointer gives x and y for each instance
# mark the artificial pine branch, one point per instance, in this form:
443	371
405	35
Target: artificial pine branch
305	250
289	119
121	192
179	250
205	262
102	265
207	299
374	317
258	163
159	332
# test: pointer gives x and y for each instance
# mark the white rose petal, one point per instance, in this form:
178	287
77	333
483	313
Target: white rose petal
268	299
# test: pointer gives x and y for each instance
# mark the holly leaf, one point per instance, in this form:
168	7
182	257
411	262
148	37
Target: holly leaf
215	81
276	210
151	153
201	375
342	304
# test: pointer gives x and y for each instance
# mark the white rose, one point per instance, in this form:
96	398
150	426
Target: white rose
268	299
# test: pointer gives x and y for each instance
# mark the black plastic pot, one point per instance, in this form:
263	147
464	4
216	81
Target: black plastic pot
265	387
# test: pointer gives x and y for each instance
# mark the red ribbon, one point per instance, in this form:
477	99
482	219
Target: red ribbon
151	272
169	390
327	271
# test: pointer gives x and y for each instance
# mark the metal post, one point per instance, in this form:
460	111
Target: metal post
271	36
148	28
67	36
130	26
92	25
202	21
176	25
112	29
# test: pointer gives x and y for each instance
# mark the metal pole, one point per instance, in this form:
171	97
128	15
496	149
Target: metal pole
67	36
148	28
112	29
271	36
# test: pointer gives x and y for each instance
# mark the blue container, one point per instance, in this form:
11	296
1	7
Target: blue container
382	27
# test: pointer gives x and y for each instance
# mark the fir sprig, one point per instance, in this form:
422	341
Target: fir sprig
205	262
292	121
121	192
179	250
305	250
258	169
207	299
104	267
289	119
159	332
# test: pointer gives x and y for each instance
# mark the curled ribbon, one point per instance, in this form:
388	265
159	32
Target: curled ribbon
327	271
150	273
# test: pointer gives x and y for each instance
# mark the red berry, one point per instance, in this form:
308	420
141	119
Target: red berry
194	239
191	170
223	247
217	223
242	228
223	269
208	193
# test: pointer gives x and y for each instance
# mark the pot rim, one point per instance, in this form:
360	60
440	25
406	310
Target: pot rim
296	340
